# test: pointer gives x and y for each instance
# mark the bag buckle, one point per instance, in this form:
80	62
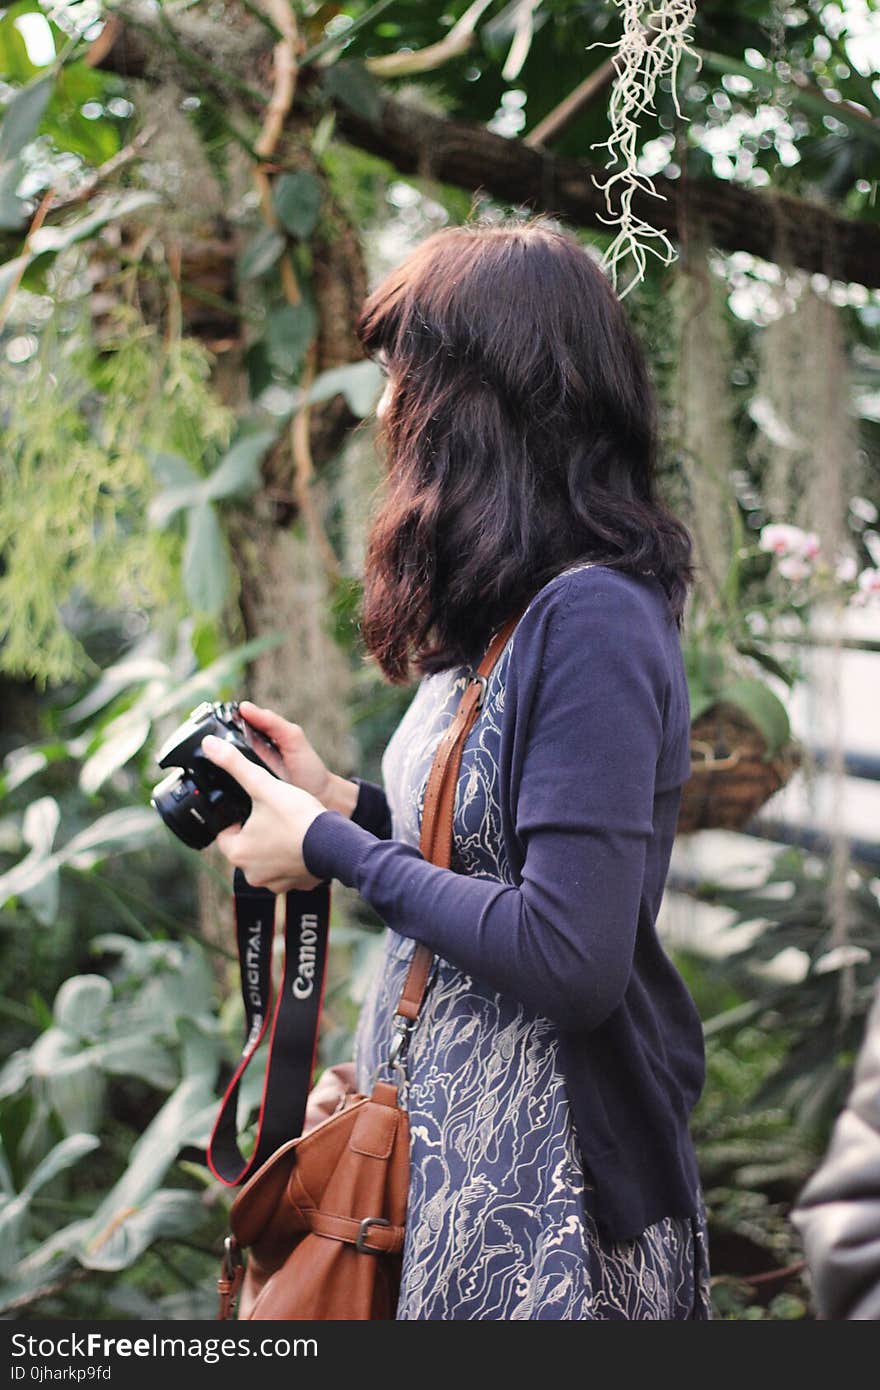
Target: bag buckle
400	1041
232	1257
363	1229
402	1028
483	683
231	1276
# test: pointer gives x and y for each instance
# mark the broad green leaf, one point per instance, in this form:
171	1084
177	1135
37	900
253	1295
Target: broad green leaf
205	560
13	1228
359	382
167	504
260	254
26	875
180	1122
15	65
350	83
40	824
117	831
172	470
22	116
54	1254
16	1073
170	1212
20	765
136	1056
76	1092
205	684
71	1080
126	828
763	707
700	701
122	738
43	897
64	1155
14	1210
9	274
95	141
12	210
205	641
117	205
79	82
138	668
289	331
35	876
323	134
201	1049
704	666
81	1003
239	470
258	368
7	1186
297	199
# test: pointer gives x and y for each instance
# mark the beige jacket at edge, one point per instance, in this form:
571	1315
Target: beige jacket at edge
838	1211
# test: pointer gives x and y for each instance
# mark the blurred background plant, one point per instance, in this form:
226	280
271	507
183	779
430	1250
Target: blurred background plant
193	201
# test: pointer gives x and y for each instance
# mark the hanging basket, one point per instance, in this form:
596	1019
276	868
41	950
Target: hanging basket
729	779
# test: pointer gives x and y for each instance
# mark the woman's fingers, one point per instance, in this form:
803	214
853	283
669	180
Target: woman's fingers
268	722
251	778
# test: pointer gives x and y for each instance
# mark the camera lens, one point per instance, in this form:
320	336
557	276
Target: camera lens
197	799
186	810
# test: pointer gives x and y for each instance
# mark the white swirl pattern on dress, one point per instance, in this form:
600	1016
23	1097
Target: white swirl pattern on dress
499	1224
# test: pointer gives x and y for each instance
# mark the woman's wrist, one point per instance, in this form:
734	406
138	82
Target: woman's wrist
341	795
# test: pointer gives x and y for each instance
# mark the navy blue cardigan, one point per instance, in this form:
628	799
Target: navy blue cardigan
594	750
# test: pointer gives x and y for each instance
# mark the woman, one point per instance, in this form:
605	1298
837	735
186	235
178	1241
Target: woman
558	1054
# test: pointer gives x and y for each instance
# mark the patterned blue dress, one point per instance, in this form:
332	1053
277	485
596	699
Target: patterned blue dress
500	1216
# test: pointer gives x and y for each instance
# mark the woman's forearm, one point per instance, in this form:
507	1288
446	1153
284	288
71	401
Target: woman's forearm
362	802
562	942
341	795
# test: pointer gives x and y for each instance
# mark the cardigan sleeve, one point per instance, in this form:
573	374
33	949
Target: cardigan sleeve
371	810
591	731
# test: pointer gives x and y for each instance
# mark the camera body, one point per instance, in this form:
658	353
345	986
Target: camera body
198	799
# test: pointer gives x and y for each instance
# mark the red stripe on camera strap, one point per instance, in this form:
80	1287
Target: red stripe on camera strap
293	1040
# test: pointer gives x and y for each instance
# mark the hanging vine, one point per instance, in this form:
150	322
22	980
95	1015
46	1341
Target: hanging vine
651	47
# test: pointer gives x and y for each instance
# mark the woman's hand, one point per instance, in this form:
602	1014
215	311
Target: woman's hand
298	762
268	847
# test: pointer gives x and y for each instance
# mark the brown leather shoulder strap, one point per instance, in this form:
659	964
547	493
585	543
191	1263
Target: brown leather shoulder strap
439	808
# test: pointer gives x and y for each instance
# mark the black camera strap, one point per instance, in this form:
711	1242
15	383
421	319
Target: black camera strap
293	1037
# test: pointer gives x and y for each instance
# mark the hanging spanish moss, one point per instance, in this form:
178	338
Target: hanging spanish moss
809	442
703	421
653	42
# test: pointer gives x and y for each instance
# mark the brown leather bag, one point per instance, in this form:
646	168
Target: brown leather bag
323	1218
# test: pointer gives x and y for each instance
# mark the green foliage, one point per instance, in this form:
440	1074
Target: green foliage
297	199
260	253
206	567
780	1052
752	1160
820	1009
289	330
79	430
353	85
144	1045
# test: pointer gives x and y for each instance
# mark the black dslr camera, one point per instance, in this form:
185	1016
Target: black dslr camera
198	799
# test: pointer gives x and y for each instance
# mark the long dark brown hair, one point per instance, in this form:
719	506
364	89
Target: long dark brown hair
521	437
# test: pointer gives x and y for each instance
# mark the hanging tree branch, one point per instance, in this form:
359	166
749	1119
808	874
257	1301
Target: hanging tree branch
736	218
469	156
